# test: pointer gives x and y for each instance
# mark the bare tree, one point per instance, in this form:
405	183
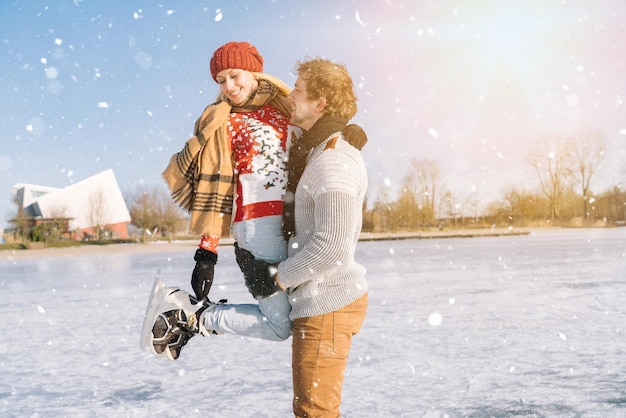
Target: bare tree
154	210
21	220
168	212
59	223
381	211
97	212
471	206
551	161
409	213
614	202
588	150
424	180
455	206
449	206
520	205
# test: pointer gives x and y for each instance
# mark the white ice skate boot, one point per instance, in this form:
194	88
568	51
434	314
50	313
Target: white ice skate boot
173	316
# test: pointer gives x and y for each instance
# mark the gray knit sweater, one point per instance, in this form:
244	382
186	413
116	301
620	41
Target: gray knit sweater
320	273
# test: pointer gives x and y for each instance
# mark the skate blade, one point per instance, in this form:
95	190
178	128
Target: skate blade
155	302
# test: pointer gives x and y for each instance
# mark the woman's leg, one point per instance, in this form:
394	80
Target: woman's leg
269	319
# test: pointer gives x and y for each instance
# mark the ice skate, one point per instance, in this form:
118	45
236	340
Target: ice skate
172	318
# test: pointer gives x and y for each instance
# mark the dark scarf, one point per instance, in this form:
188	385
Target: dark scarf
299	152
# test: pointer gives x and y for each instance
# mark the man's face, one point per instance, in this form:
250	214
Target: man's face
304	111
236	84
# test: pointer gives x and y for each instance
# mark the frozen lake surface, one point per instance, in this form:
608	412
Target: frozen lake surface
524	326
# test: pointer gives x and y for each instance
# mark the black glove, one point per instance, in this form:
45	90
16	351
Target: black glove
260	275
202	276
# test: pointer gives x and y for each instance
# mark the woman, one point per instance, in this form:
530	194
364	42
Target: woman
237	155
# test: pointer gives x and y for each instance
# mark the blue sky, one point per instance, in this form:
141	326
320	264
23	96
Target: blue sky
86	85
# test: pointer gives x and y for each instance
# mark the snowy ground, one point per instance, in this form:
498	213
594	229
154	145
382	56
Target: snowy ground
525	326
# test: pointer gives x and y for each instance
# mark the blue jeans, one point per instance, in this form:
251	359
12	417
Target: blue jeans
269	319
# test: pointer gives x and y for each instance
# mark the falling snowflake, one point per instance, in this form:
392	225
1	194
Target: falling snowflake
435	319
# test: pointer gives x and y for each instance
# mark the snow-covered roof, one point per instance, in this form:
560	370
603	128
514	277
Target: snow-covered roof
96	200
27	194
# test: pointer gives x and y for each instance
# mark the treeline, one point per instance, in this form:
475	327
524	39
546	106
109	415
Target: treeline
517	209
564	167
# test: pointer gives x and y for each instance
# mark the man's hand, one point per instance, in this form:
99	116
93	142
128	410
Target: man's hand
260	275
202	276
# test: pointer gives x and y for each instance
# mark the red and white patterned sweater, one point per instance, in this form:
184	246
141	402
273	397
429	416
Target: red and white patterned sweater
259	149
259	144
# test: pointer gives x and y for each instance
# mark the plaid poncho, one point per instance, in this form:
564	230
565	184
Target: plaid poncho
200	177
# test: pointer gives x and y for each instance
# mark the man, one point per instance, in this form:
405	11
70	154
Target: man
322	218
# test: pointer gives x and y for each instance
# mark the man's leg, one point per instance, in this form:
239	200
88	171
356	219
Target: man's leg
321	345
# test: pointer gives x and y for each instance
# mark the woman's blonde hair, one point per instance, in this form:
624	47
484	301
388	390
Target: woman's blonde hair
331	81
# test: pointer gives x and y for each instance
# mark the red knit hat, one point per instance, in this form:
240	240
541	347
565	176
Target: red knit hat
240	55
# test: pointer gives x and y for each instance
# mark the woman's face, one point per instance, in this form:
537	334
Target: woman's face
237	85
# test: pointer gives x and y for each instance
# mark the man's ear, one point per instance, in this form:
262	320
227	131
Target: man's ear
321	104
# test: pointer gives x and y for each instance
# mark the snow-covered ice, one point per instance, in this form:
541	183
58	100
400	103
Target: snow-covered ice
525	326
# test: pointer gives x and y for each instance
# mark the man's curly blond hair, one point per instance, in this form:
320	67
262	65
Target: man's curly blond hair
331	81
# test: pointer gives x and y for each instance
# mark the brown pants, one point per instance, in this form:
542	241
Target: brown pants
319	356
